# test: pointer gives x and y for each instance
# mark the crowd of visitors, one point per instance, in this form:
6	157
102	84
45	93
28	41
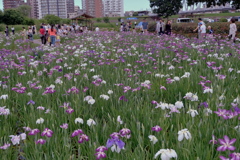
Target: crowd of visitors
202	30
53	33
161	27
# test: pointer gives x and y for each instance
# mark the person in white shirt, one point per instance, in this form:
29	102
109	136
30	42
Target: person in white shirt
121	28
202	31
200	21
13	30
232	30
77	28
97	29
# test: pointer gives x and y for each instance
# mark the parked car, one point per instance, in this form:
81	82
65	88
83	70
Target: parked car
237	18
185	20
208	20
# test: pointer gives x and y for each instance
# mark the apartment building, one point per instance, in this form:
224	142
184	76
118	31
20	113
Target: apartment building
93	7
8	4
70	6
113	8
55	7
34	8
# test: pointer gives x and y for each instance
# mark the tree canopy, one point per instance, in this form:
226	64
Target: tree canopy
25	10
13	17
166	8
235	3
52	19
1	16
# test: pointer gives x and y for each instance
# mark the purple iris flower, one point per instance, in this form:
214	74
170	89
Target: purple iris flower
40	141
119	143
205	104
123	98
31	102
226	144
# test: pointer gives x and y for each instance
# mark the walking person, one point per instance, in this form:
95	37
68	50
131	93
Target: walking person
47	37
13	30
42	35
52	33
23	33
30	33
145	25
121	28
232	30
7	31
58	39
200	21
202	31
34	29
169	28
162	27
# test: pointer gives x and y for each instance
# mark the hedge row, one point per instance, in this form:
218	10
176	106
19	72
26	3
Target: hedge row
187	28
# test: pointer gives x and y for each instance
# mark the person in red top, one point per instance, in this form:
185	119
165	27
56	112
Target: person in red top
52	32
42	35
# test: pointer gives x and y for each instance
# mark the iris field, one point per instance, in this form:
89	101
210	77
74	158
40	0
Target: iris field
116	96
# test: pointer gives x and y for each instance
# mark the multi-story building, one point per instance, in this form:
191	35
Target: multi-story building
113	8
7	4
70	6
34	8
77	9
93	7
76	12
55	7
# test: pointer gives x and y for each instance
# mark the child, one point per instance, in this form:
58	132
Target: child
13	30
134	31
58	40
210	30
47	36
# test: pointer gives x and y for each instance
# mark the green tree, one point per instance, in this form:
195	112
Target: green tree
12	16
106	19
25	10
1	16
235	3
52	19
165	8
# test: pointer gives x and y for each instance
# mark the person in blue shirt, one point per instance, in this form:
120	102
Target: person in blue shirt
210	31
144	25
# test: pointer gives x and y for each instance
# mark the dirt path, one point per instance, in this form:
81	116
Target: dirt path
37	41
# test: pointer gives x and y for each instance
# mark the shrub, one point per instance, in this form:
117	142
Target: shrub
65	21
152	27
106	19
218	27
28	21
2	27
99	20
223	20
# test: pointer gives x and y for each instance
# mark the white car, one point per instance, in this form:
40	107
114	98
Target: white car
208	20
